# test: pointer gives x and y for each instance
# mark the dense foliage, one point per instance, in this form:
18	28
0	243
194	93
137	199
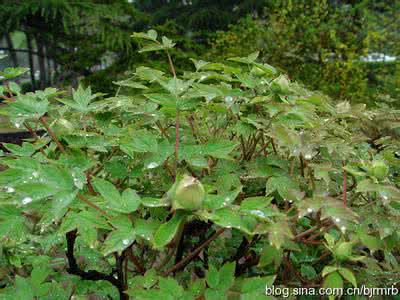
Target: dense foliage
322	44
205	184
66	40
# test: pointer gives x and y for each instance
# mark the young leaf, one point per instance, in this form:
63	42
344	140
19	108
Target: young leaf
106	189
348	275
168	230
226	276
119	239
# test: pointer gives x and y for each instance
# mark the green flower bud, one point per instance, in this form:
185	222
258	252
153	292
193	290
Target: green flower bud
280	85
343	251
379	170
189	194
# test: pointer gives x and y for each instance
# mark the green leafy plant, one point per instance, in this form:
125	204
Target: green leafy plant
208	184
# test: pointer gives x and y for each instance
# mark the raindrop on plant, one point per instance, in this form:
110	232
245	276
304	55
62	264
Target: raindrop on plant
26	200
152	165
10	189
229	100
308	156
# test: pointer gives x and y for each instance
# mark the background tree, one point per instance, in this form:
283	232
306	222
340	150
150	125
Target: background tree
72	38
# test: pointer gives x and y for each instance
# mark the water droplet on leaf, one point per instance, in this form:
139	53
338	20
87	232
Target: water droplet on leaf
26	200
10	189
152	165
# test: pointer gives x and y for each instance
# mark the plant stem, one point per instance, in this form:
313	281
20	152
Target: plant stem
176	151
33	133
51	133
62	149
91	204
136	261
92	275
171	65
194	253
89	183
344	184
311	230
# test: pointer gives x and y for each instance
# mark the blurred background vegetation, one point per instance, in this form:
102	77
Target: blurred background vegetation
347	49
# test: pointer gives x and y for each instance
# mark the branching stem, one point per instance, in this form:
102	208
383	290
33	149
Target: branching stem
194	253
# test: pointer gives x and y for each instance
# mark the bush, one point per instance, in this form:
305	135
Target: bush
319	44
211	184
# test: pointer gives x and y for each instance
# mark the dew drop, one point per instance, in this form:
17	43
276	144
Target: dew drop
17	125
125	242
35	174
229	99
337	220
307	156
152	165
296	152
343	228
309	210
26	200
10	189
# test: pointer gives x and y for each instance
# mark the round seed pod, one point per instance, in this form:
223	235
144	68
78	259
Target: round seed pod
379	170
280	85
189	194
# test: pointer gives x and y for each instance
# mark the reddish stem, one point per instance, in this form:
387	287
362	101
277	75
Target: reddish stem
136	261
51	133
89	183
194	253
176	152
344	185
33	133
